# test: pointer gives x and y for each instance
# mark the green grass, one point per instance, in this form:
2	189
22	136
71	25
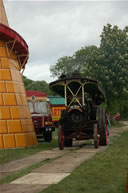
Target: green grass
124	119
7	155
116	124
104	173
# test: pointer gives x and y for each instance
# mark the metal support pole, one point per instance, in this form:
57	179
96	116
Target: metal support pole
65	92
83	95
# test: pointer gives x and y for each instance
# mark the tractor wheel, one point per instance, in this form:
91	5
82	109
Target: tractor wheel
96	136
68	143
61	137
101	118
48	136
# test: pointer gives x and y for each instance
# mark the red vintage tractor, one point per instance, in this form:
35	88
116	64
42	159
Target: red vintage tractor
83	118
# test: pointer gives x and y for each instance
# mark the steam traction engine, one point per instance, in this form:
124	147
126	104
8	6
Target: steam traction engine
83	117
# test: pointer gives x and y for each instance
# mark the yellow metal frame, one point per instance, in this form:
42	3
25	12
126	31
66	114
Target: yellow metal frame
22	66
74	95
10	50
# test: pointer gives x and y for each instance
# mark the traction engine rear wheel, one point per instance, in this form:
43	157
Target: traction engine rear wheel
61	137
96	136
101	117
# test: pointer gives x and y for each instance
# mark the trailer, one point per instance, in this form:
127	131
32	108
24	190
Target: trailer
83	118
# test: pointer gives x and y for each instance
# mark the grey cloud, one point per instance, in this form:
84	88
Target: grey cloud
53	29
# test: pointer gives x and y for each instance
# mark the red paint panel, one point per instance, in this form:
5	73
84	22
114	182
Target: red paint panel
31	93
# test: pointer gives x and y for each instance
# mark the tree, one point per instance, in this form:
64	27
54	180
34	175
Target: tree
64	65
88	59
114	48
108	64
37	86
83	60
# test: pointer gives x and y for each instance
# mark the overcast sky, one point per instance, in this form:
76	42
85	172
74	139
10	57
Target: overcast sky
53	29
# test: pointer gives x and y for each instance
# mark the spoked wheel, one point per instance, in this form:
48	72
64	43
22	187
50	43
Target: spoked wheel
101	117
61	137
96	136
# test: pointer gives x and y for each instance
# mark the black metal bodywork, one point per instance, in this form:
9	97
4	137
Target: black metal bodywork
82	99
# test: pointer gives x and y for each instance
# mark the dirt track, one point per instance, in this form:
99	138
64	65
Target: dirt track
51	173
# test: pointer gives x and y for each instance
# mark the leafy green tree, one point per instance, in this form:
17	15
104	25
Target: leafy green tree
88	59
84	60
64	65
114	48
108	63
37	86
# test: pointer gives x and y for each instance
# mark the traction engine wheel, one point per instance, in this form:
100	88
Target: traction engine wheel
61	137
96	136
101	117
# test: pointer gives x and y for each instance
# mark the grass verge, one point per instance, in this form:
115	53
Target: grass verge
104	173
